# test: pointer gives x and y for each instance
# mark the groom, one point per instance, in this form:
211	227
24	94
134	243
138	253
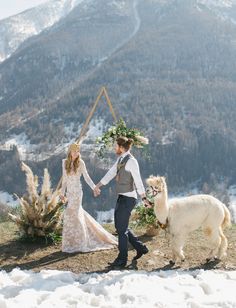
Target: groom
128	179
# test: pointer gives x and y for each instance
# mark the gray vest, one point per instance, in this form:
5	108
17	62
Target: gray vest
124	179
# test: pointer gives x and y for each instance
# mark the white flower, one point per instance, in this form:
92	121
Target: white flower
142	139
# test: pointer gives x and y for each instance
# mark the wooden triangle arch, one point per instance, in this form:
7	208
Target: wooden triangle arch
103	92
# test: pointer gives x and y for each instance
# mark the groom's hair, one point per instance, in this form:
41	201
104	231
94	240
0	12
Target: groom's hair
124	142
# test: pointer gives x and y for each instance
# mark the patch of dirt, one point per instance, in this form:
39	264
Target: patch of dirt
35	256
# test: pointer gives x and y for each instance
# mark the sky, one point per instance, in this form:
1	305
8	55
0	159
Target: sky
12	7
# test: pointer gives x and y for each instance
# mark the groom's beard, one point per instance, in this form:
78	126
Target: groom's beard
118	152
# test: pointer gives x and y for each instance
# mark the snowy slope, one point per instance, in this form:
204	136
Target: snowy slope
118	289
224	9
33	152
16	29
7	199
217	3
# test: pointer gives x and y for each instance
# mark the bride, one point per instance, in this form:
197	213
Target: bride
81	233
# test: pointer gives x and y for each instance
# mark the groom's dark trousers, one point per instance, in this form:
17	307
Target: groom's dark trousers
124	207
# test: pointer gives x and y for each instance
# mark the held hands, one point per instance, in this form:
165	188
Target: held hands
63	198
96	191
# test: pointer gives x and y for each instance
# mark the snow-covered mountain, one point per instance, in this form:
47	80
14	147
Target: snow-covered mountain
224	9
16	29
217	3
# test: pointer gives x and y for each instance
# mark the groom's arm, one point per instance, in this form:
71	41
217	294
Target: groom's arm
133	167
105	180
108	176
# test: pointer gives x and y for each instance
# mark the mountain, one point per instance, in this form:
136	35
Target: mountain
67	52
224	9
18	28
169	67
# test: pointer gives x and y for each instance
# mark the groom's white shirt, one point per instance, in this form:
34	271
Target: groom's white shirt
131	166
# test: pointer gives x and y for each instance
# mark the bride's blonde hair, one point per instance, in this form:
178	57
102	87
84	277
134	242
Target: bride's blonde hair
69	165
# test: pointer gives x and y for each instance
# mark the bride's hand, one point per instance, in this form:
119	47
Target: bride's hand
63	199
96	192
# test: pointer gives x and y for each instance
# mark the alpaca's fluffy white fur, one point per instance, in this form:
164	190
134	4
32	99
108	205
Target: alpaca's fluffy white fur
189	213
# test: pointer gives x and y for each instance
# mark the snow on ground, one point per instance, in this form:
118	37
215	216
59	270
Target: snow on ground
105	216
170	289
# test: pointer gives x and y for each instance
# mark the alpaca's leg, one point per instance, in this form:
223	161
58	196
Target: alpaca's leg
215	242
174	256
223	246
177	247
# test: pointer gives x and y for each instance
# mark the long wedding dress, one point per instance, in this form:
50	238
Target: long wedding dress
81	233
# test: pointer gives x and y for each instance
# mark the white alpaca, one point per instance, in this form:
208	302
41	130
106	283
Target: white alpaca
187	214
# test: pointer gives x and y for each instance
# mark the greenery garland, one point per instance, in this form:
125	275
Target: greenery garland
143	217
107	140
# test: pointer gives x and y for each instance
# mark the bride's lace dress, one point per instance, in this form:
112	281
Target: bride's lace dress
80	231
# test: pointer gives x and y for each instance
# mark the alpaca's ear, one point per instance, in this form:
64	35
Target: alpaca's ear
148	181
163	178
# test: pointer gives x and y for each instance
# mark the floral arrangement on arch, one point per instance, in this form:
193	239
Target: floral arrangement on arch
107	140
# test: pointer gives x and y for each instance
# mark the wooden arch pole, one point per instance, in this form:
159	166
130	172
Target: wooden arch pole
103	92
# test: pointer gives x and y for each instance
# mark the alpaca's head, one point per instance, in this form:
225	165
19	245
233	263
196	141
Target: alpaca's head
156	185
